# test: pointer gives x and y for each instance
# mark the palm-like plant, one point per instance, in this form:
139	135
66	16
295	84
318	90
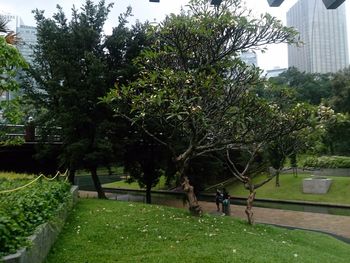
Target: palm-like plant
10	37
3	24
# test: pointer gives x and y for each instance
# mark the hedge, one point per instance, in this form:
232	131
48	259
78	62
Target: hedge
327	162
23	210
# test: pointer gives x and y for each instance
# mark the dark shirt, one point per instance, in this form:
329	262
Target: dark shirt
226	195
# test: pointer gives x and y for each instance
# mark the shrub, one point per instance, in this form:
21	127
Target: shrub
327	162
23	210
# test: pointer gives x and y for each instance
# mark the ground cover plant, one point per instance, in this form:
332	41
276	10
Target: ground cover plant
291	189
23	210
112	231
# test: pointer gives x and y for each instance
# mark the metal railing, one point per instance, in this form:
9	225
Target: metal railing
31	133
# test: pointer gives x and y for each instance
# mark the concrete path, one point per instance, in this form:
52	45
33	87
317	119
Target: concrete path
333	224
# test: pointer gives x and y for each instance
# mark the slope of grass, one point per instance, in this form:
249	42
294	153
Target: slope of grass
12	176
291	189
135	185
119	170
111	231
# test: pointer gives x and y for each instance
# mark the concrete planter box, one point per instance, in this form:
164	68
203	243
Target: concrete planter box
316	185
44	236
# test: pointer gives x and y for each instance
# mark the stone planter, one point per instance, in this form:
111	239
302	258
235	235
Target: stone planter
44	236
316	185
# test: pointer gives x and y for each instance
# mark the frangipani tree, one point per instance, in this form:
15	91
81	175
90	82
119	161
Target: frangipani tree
193	85
285	132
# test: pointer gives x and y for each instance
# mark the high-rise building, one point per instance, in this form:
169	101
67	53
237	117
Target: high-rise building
28	39
324	36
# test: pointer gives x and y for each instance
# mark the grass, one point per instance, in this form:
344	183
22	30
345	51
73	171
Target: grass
102	171
111	231
134	185
291	189
11	176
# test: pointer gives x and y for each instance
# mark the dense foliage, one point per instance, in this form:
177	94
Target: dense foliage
23	210
323	90
11	63
327	162
75	65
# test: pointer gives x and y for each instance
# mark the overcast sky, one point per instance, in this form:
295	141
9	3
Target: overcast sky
145	10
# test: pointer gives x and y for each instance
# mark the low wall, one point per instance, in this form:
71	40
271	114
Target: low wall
44	236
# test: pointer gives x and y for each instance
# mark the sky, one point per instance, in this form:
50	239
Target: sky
276	56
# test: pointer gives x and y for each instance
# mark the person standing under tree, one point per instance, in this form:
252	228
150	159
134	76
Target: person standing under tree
218	199
226	202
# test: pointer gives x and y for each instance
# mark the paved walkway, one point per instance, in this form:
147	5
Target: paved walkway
333	224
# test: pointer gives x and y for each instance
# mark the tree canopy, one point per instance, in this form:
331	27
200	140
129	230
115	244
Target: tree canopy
193	85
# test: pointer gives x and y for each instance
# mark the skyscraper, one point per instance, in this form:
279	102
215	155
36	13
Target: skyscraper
324	35
27	34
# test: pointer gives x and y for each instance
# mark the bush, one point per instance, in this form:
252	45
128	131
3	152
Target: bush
23	210
327	162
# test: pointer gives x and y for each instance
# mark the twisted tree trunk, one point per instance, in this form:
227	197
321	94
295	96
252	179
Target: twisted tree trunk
194	207
249	208
182	163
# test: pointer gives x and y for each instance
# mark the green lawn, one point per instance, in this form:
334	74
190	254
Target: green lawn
119	170
111	231
11	176
291	189
135	185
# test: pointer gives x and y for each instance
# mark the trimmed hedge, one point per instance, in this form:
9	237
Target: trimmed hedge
327	162
23	210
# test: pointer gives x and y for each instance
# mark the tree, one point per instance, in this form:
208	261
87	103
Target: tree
74	66
70	75
144	161
340	100
282	134
193	85
309	87
11	62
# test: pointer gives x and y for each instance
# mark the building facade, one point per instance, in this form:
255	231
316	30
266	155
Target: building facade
324	36
27	34
271	73
249	58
